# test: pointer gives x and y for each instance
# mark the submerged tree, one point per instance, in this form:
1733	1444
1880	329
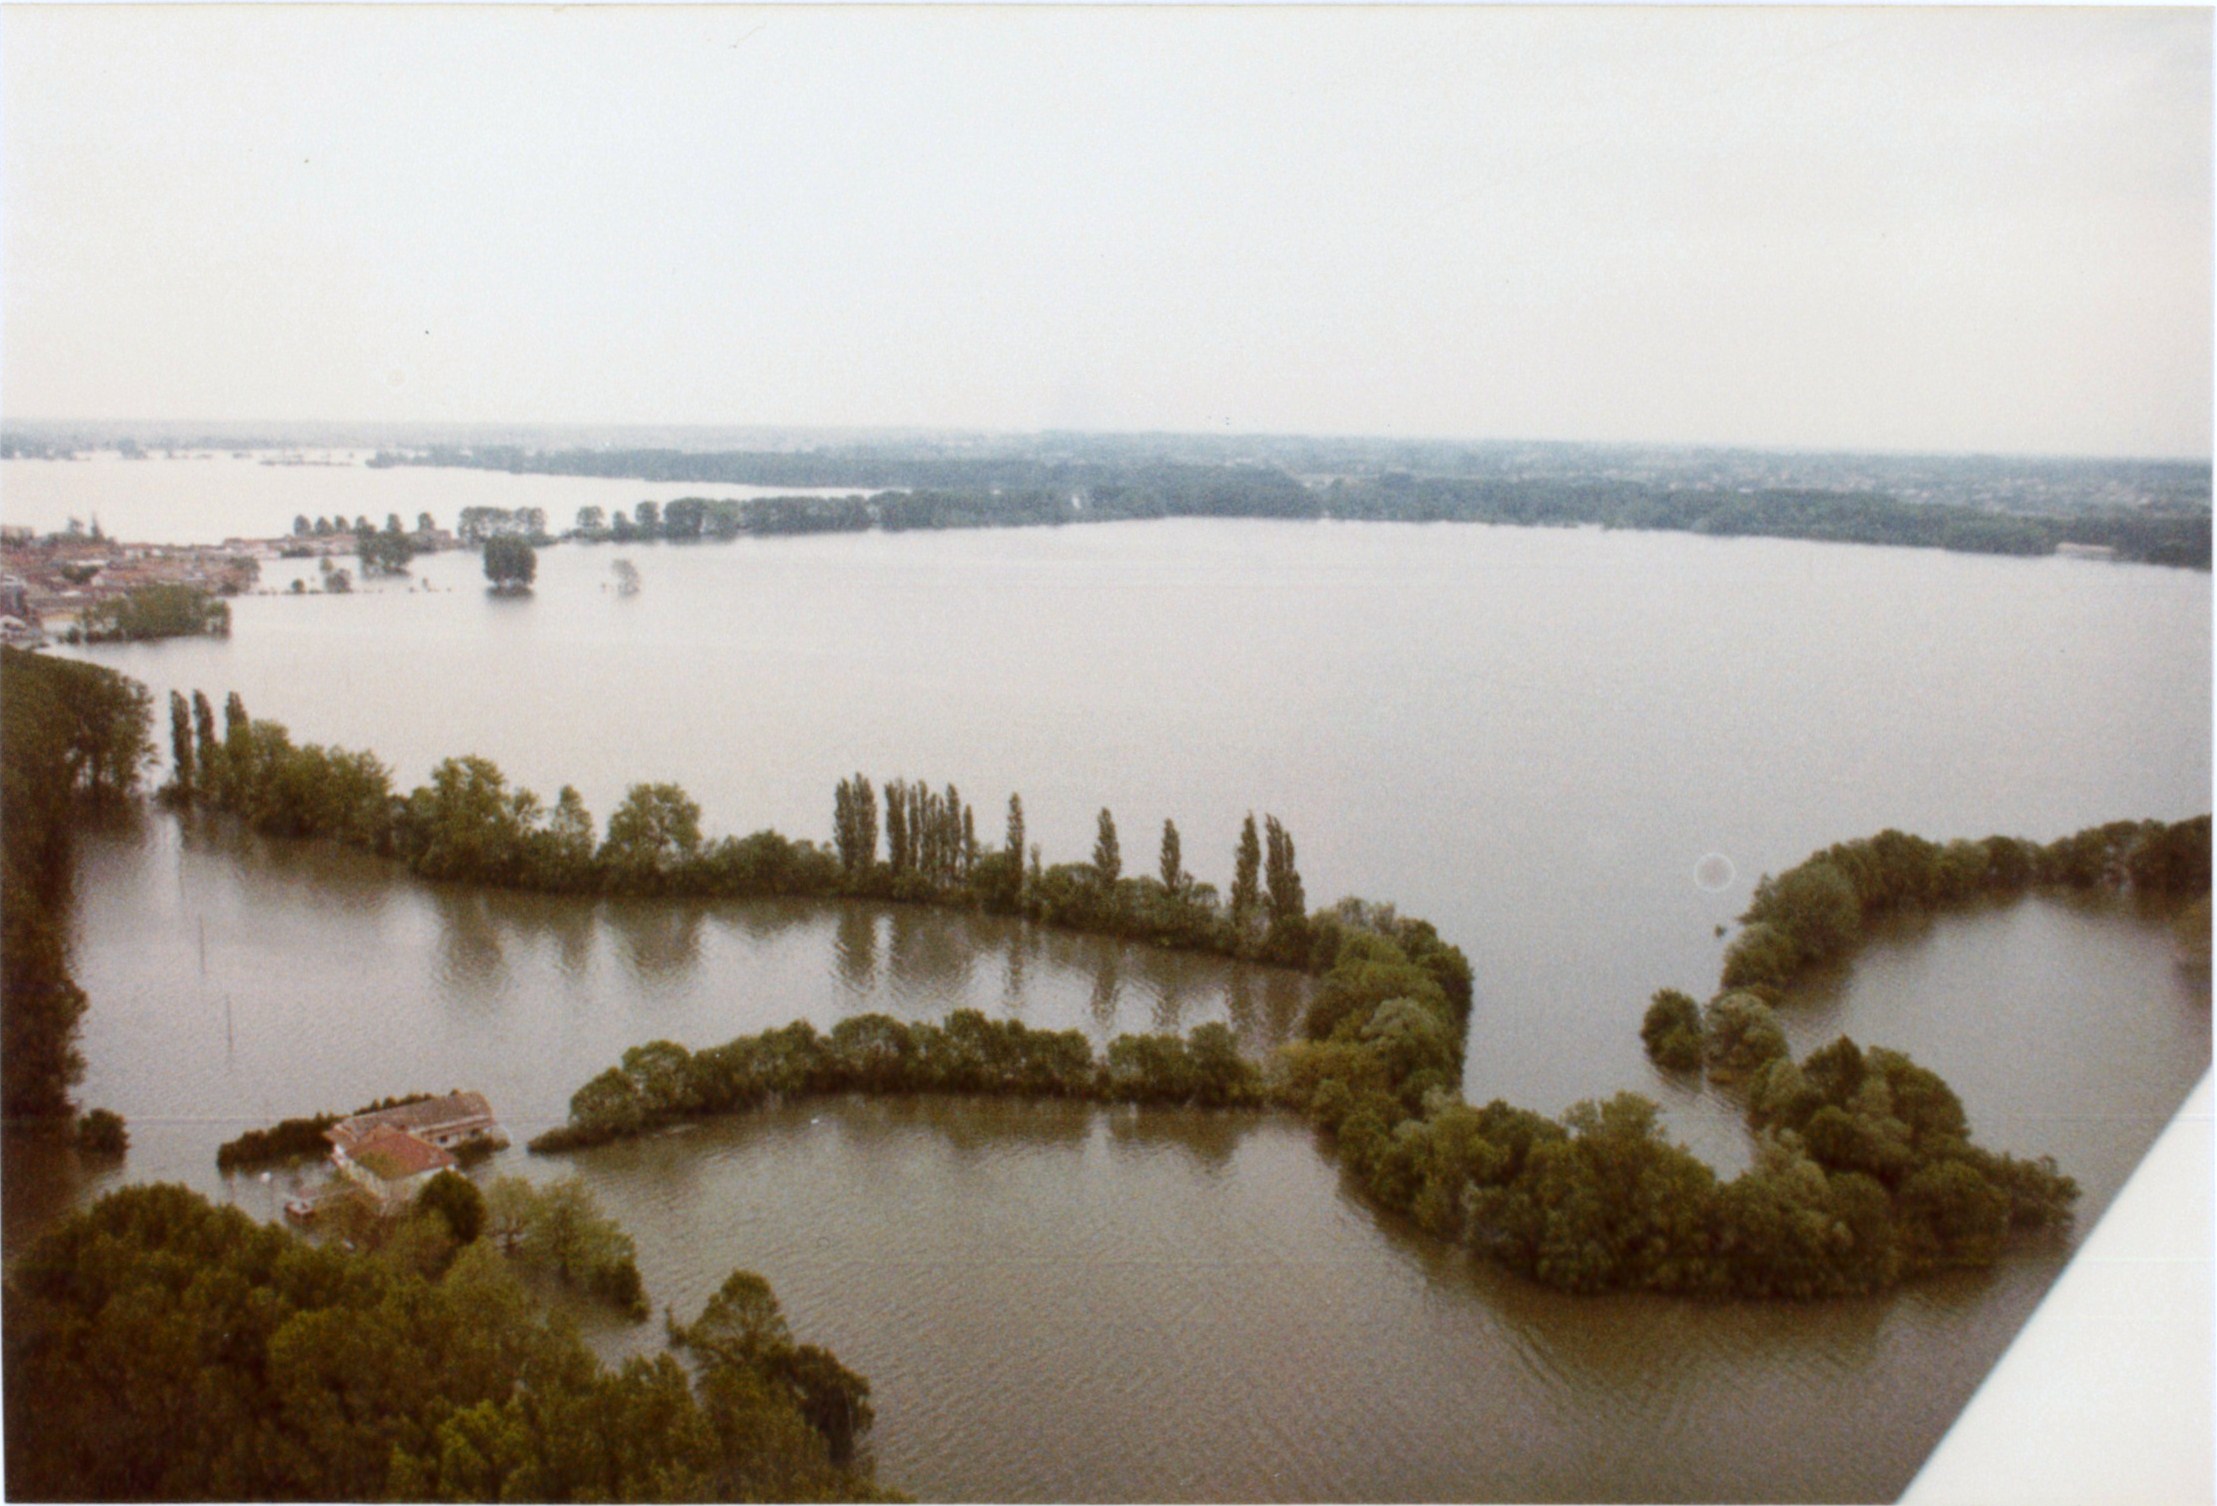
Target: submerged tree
510	563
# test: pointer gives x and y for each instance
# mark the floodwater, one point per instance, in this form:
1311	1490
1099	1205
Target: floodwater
1574	751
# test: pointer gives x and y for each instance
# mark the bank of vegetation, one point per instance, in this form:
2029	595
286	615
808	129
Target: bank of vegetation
150	612
73	738
1818	911
662	1082
469	825
898	493
160	1348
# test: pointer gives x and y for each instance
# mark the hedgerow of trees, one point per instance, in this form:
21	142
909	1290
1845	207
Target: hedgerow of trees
72	735
468	824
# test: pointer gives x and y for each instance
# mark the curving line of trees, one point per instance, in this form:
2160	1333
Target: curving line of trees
1816	911
1819	911
662	1082
1866	1174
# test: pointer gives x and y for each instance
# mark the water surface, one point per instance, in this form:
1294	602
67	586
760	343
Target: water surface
1575	751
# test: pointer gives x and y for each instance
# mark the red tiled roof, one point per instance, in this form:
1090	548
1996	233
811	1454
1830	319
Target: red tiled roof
394	1154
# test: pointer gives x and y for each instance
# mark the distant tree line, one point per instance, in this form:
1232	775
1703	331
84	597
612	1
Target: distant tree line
160	1348
1016	491
73	736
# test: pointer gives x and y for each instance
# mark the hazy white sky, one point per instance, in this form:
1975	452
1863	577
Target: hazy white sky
1865	228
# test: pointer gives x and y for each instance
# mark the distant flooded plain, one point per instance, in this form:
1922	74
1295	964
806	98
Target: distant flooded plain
1574	751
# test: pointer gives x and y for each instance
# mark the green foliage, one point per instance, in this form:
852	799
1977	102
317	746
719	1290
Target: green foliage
455	1201
855	824
166	611
1671	1031
511	564
941	491
287	1140
660	1082
741	1338
558	1230
467	824
386	553
181	750
1287	906
101	1132
1815	912
69	732
1246	875
654	837
1108	861
1740	1036
159	1348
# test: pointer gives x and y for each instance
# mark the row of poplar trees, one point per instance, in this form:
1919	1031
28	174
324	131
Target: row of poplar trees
932	835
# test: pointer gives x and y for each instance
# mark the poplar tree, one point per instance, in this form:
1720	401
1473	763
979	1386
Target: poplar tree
238	749
1287	905
1108	862
865	819
1015	847
1246	872
1173	860
897	847
855	823
180	742
204	738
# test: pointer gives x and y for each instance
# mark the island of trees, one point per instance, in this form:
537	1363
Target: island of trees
159	611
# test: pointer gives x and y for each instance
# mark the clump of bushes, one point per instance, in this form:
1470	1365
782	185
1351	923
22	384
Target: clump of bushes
1671	1030
101	1132
661	1082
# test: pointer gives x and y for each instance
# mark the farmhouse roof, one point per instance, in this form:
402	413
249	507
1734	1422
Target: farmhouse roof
394	1154
426	1116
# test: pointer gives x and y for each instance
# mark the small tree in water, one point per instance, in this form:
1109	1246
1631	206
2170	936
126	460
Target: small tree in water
510	563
